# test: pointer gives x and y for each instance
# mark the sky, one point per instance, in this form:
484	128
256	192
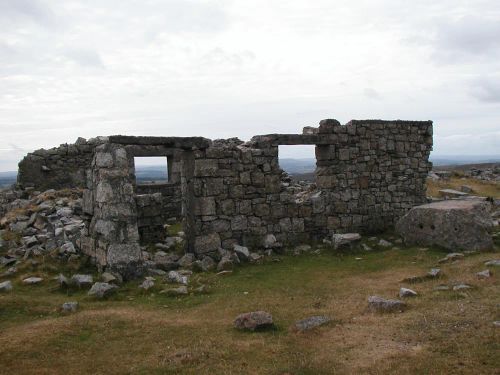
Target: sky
236	68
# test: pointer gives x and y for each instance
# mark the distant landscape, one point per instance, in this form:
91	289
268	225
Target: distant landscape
299	168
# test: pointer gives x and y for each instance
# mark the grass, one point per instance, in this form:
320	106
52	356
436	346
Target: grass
481	188
138	332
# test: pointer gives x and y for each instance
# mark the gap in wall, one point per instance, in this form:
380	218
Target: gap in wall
151	170
299	161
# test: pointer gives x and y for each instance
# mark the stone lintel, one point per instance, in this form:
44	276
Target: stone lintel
174	142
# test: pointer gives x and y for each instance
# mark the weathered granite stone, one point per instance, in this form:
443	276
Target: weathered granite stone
32	280
452	224
102	290
81	281
311	323
345	240
6	286
379	304
252	321
405	292
69	307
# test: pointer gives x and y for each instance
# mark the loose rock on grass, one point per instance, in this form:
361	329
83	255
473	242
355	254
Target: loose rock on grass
255	320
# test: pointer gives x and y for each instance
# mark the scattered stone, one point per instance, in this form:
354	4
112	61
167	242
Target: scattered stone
166	262
452	224
253	321
434	273
496	323
6	286
379	304
384	243
62	281
242	252
32	280
102	290
466	189
207	264
405	292
254	257
30	241
366	247
81	281
345	240
69	307
201	289
461	286
108	277
269	241
176	277
486	274
451	257
451	193
495	262
68	248
311	322
148	283
7	261
187	260
225	264
180	291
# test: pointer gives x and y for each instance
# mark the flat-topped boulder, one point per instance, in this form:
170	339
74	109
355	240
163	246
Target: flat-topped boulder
451	224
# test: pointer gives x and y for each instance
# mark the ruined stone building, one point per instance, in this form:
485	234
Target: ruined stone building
369	173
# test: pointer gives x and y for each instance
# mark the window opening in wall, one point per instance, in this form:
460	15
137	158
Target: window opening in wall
298	161
151	170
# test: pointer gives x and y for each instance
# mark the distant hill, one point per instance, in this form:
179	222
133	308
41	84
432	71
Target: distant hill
7	179
295	166
464	159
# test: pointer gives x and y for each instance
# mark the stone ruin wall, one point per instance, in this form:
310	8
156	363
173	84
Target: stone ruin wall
369	173
58	168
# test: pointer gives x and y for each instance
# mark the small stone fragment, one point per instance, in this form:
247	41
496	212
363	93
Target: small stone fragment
384	243
405	292
32	280
62	281
345	240
148	283
451	257
461	286
253	321
180	291
311	322
102	290
176	277
225	264
69	307
494	262
242	252
379	304
486	274
81	281
6	286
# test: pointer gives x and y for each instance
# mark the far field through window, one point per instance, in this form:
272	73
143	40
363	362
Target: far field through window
299	161
151	170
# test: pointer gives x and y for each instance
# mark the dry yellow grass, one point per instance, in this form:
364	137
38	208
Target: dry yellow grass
481	188
136	333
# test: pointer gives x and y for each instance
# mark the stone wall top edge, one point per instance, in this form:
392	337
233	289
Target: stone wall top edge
176	142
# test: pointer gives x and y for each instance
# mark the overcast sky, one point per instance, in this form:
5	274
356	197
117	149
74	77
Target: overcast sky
229	68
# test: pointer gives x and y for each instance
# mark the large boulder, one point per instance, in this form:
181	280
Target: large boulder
452	224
